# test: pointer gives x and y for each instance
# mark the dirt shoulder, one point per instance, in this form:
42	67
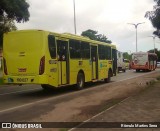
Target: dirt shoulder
142	107
90	102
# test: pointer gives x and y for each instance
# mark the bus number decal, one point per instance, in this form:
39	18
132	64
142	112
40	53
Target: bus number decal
22	79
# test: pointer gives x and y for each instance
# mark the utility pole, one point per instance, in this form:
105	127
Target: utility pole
136	26
75	30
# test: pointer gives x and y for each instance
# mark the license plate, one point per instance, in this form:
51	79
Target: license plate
22	79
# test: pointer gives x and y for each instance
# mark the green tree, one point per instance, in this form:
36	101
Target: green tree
93	35
11	10
154	17
127	56
157	52
6	26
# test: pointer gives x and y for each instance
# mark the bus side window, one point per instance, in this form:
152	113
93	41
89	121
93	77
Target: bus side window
101	52
52	46
61	50
107	52
85	50
75	46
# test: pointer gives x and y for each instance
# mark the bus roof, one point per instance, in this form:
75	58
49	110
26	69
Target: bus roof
33	30
140	52
67	35
144	53
72	36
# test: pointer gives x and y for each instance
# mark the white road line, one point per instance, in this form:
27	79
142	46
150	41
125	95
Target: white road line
39	101
98	114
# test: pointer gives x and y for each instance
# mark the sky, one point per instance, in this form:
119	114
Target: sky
108	17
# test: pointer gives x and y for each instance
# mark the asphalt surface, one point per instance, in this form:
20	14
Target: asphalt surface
14	96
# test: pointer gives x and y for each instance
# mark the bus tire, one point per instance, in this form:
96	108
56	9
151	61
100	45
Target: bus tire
137	70
80	81
107	80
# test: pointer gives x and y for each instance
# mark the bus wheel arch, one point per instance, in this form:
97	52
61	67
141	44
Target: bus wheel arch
80	80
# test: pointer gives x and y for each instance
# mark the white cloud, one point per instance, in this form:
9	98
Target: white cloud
108	17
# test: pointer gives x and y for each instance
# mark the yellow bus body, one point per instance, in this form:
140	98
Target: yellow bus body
27	59
22	51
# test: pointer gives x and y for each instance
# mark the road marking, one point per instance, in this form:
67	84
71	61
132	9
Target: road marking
98	114
59	96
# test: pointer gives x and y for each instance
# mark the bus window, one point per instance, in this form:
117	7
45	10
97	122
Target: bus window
52	46
74	47
108	53
62	50
101	52
85	50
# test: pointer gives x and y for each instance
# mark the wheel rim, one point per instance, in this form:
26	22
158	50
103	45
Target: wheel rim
80	82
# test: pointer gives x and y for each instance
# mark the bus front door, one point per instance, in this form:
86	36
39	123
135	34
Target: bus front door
94	61
63	69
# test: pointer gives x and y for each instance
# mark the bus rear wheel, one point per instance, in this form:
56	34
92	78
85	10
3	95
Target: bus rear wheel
137	70
80	81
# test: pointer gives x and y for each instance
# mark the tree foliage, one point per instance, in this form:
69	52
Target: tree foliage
7	25
127	56
10	11
15	9
156	51
93	35
154	17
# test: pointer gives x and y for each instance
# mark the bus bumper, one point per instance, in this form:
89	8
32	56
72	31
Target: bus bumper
39	79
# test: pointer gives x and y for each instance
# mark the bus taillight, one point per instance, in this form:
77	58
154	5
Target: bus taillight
5	67
42	65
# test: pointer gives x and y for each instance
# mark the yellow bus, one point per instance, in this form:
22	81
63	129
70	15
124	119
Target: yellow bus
55	60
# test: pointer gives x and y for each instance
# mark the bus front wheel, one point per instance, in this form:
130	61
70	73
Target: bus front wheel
80	81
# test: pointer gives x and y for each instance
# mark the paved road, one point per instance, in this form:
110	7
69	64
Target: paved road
14	99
